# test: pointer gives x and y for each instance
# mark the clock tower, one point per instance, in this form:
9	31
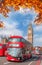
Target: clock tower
30	34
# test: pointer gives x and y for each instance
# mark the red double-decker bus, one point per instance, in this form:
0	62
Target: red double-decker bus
2	49
18	49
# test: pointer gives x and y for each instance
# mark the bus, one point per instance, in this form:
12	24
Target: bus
2	49
18	49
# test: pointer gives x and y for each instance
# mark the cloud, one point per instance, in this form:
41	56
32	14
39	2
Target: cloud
10	29
23	10
38	28
11	32
25	37
37	40
8	25
26	10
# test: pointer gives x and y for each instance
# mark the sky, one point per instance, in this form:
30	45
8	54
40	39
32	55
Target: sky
17	24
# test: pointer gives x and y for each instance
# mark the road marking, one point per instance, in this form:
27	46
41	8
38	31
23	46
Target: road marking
7	63
30	63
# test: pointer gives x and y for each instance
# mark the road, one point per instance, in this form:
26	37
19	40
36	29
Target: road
32	61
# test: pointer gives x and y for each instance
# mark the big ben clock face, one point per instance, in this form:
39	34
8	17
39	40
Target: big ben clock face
29	31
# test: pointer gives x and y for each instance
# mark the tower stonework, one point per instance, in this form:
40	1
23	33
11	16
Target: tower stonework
30	34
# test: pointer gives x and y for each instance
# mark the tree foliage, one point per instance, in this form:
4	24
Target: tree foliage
16	4
1	24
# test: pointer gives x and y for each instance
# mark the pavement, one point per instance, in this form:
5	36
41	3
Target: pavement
37	60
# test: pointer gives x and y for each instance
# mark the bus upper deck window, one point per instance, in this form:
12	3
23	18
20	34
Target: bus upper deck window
23	40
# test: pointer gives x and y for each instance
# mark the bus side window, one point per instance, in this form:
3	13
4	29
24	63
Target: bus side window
23	40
